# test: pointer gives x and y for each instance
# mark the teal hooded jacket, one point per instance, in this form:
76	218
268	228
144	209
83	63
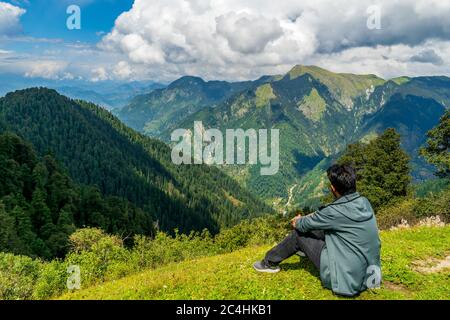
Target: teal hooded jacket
350	259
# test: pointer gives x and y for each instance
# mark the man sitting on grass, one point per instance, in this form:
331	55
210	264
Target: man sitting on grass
341	239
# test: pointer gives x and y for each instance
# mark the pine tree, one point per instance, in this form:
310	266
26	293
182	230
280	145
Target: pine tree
24	230
437	149
7	232
382	167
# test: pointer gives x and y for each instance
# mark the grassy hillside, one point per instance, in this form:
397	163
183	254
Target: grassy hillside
413	266
344	86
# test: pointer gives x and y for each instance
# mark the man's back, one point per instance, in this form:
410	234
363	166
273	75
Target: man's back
349	256
352	251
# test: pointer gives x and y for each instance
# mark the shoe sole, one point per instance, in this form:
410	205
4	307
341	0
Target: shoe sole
267	270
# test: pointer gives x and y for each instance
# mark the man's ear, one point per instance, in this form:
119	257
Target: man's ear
333	188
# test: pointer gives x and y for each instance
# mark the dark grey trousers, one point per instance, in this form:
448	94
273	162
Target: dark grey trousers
310	243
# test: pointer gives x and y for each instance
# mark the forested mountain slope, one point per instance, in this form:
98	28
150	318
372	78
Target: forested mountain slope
97	149
40	205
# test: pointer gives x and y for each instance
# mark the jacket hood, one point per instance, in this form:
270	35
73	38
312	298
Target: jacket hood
353	206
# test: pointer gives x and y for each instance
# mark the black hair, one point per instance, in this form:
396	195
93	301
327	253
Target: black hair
343	178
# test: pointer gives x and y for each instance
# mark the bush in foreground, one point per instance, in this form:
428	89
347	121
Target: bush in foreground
103	257
413	210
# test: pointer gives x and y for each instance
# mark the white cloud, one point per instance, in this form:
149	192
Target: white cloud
122	70
48	69
215	38
389	61
141	51
248	33
10	19
241	39
99	74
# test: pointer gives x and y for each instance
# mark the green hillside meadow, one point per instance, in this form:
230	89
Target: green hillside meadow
415	265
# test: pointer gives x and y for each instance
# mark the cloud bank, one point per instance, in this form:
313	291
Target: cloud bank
240	39
244	39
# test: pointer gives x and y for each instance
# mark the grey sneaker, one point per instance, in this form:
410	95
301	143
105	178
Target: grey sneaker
301	254
260	266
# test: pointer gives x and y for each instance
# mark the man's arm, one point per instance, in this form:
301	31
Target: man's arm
319	220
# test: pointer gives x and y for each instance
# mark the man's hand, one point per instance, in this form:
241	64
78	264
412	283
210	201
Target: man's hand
294	220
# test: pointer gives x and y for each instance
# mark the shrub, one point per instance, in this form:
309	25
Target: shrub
52	280
258	231
96	253
234	238
84	239
18	275
164	249
415	209
393	215
434	204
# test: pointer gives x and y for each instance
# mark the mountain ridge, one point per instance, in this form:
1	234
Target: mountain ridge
318	113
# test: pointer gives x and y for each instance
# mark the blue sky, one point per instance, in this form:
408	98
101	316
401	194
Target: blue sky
47	18
162	40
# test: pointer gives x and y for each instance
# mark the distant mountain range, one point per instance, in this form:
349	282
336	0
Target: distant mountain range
155	112
107	94
317	111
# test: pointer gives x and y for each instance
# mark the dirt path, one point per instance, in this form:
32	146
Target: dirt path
291	190
432	265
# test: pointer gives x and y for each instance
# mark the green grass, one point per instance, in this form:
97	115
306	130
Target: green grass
347	85
313	105
264	94
230	276
401	80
